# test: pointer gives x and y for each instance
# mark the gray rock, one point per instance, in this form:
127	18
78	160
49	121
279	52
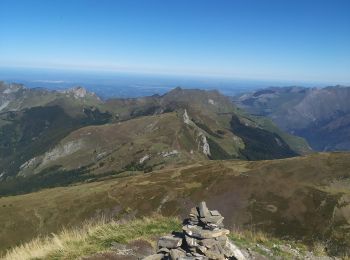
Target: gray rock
169	242
194	213
214	253
202	249
222	240
216	220
177	253
199	232
163	250
203	210
234	251
208	243
191	241
203	238
214	213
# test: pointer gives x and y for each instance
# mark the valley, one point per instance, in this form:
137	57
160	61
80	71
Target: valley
320	115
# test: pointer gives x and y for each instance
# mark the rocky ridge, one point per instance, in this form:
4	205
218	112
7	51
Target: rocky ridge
203	237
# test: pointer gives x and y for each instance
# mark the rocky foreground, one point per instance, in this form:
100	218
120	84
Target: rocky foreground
203	237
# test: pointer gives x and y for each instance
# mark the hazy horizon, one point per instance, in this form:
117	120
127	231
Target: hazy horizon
122	84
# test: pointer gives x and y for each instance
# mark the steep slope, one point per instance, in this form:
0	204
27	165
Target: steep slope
321	116
27	133
303	198
134	144
209	110
35	120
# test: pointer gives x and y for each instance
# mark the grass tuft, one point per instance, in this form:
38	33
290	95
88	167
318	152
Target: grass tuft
93	237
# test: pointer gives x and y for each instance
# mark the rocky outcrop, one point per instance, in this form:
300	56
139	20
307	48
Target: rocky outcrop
79	93
205	144
203	237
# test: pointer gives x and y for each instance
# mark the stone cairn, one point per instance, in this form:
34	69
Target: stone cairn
203	237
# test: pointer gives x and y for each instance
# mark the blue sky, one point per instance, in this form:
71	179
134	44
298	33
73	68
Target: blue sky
264	39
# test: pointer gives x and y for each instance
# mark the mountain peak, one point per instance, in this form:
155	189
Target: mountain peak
79	92
10	88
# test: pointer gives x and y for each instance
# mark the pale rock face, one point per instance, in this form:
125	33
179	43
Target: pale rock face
101	155
201	135
4	105
205	144
28	164
186	118
168	154
78	92
6	94
62	151
145	158
12	89
211	101
278	141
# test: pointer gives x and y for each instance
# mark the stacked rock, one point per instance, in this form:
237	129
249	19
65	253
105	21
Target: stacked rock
203	237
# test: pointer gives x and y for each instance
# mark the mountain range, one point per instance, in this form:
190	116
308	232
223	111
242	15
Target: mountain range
47	134
67	156
320	115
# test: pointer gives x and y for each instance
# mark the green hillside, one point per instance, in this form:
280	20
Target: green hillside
302	198
72	136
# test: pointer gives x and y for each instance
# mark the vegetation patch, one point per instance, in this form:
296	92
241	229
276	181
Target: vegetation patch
93	238
48	178
259	143
98	237
217	152
207	129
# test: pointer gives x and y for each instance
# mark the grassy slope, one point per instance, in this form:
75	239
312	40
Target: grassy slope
298	197
114	147
296	143
111	147
92	238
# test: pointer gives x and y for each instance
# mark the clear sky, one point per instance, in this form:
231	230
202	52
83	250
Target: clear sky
262	39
